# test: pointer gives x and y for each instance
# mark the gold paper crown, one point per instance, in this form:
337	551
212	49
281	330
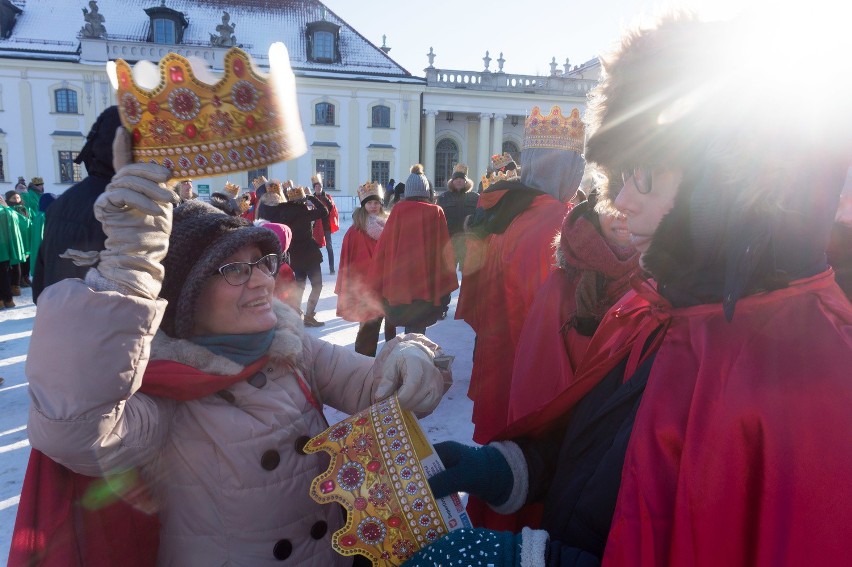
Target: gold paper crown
376	475
258	181
498	161
316	178
554	131
273	187
491	179
240	122
296	193
370	189
231	189
37	181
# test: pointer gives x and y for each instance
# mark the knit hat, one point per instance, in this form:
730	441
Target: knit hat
202	237
416	185
460	172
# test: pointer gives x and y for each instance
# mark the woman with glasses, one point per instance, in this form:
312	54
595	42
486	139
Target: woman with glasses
194	387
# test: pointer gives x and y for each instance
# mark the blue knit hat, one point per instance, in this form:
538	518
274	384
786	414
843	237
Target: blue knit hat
416	185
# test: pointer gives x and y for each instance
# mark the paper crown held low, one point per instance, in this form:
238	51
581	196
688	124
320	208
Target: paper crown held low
181	116
554	131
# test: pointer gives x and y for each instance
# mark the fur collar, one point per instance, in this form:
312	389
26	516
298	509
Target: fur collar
468	185
287	345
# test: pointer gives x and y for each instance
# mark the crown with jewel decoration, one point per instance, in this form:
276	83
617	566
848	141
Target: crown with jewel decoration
242	121
492	178
370	189
296	193
258	182
554	131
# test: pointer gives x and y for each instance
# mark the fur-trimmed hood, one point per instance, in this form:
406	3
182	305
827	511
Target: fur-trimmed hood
468	185
287	345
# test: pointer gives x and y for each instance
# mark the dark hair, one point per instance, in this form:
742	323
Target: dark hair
223	203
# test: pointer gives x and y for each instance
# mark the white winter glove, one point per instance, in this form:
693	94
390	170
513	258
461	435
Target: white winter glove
408	370
136	213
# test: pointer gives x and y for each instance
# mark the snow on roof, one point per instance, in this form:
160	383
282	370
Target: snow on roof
47	27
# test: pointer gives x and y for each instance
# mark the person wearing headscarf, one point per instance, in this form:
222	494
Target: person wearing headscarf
709	420
594	264
193	396
70	221
412	269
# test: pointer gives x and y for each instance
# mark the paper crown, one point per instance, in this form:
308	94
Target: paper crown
498	162
376	475
460	168
554	131
316	178
231	189
492	178
244	120
273	187
370	189
296	193
258	181
37	181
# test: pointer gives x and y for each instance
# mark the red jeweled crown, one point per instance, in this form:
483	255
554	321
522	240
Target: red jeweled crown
554	131
370	189
244	120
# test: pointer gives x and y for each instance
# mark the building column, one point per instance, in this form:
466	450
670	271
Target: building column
497	139
428	147
482	154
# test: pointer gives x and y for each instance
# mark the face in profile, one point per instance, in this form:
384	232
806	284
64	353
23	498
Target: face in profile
644	200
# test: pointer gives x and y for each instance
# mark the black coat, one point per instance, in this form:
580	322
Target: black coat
69	223
304	251
457	205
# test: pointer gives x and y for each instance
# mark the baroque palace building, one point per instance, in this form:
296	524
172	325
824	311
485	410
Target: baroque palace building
365	117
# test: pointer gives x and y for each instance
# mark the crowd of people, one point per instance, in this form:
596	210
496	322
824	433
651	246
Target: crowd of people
661	366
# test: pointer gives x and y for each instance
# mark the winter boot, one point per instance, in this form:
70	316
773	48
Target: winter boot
16	291
310	320
9	304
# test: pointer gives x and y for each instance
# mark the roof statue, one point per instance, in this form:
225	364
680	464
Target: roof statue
94	27
226	37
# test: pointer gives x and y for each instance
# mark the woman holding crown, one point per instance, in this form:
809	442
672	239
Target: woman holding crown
356	301
191	395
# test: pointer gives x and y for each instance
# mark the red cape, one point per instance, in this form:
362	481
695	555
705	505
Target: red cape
333	220
739	454
547	354
502	275
414	256
356	300
70	520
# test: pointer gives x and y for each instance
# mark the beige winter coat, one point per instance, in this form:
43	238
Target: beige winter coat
227	471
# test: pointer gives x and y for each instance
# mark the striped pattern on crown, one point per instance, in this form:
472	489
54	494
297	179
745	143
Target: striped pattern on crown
554	131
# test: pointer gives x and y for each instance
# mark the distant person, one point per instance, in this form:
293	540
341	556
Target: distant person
328	225
70	221
458	203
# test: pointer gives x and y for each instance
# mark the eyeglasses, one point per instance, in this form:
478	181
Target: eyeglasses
641	178
238	273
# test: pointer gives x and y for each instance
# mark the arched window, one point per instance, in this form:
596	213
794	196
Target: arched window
381	116
513	150
446	158
324	114
66	101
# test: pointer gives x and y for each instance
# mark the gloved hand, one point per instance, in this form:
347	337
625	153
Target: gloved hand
136	213
481	471
480	546
408	370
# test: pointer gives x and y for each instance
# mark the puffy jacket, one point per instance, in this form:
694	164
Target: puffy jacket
226	470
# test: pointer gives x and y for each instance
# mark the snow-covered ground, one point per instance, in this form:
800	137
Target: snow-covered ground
451	420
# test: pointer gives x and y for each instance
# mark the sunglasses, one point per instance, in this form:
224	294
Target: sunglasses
238	273
641	178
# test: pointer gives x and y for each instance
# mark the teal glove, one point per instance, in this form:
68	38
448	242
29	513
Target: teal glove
481	471
481	547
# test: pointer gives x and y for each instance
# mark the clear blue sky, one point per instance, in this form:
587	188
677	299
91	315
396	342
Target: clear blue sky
529	33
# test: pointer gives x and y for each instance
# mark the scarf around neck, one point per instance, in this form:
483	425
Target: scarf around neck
242	349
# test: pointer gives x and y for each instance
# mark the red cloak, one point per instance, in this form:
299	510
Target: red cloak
67	519
414	257
356	300
333	221
501	277
739	453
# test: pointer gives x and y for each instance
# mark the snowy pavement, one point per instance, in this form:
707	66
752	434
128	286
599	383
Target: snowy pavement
451	420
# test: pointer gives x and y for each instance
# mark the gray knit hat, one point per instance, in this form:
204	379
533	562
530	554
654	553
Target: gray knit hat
202	237
416	185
